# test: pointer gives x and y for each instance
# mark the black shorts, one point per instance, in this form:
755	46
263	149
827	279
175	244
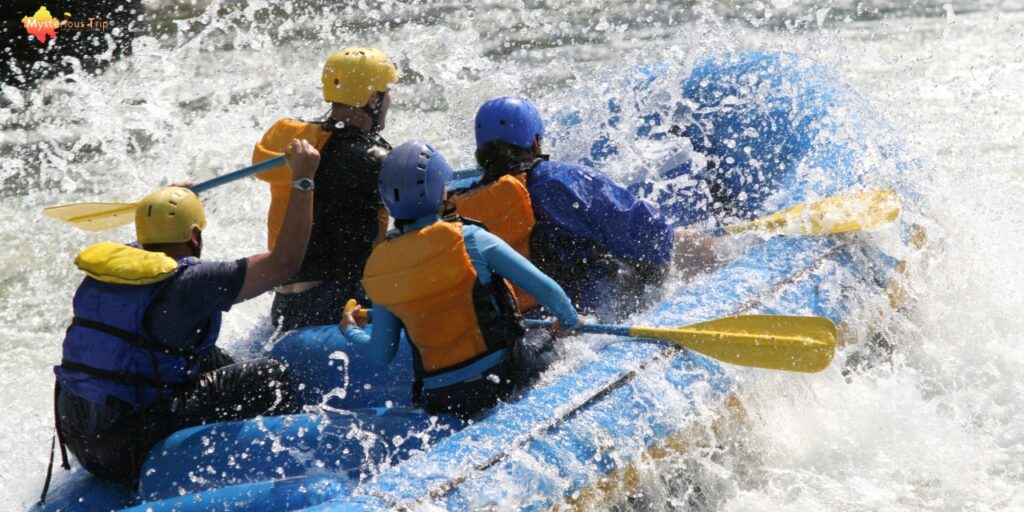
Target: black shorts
116	452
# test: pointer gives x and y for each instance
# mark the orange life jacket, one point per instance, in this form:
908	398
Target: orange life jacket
274	143
425	277
504	207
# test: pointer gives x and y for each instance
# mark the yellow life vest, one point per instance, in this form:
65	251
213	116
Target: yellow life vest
504	207
274	143
425	277
121	264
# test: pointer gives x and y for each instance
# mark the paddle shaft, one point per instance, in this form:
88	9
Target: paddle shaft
276	161
237	175
614	330
812	214
463	174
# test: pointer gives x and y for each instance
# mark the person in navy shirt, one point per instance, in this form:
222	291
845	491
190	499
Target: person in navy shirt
140	360
607	248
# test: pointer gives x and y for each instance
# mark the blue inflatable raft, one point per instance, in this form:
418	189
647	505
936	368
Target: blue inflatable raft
768	126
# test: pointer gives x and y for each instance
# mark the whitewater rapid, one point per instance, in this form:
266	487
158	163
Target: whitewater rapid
940	428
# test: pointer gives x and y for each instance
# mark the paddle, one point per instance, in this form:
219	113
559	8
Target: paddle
861	211
462	174
774	342
841	214
102	216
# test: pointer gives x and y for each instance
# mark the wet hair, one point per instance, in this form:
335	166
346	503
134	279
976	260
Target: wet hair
447	210
498	158
167	248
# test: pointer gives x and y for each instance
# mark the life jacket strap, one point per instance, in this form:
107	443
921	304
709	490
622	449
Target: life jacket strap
121	378
58	439
130	337
59	432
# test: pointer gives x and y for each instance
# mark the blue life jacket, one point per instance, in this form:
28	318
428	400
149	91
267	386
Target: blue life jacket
109	358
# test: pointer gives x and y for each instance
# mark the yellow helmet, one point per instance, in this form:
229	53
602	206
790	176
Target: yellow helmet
351	75
168	215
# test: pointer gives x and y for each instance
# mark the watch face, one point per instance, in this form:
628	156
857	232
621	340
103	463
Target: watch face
303	184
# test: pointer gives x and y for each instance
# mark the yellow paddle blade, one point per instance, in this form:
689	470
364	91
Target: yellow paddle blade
841	214
94	216
792	343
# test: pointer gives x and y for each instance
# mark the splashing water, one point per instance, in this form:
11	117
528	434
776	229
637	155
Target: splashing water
940	428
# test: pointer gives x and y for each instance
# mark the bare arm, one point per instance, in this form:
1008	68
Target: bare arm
269	269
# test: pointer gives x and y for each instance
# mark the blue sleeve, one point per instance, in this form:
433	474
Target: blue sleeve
504	261
185	304
382	344
582	203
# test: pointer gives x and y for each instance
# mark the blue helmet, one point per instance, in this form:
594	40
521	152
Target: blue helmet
508	119
412	180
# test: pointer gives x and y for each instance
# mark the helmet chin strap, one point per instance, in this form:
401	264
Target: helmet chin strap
374	112
448	209
196	247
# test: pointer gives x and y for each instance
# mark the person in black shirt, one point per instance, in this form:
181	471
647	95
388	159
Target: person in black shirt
348	216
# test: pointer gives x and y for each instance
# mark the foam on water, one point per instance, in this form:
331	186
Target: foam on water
940	428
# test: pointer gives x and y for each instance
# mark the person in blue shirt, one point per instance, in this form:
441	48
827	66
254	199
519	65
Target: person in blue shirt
139	360
608	248
443	282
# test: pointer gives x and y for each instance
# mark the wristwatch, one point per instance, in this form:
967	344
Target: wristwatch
303	184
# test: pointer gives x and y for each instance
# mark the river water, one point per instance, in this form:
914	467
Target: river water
941	428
